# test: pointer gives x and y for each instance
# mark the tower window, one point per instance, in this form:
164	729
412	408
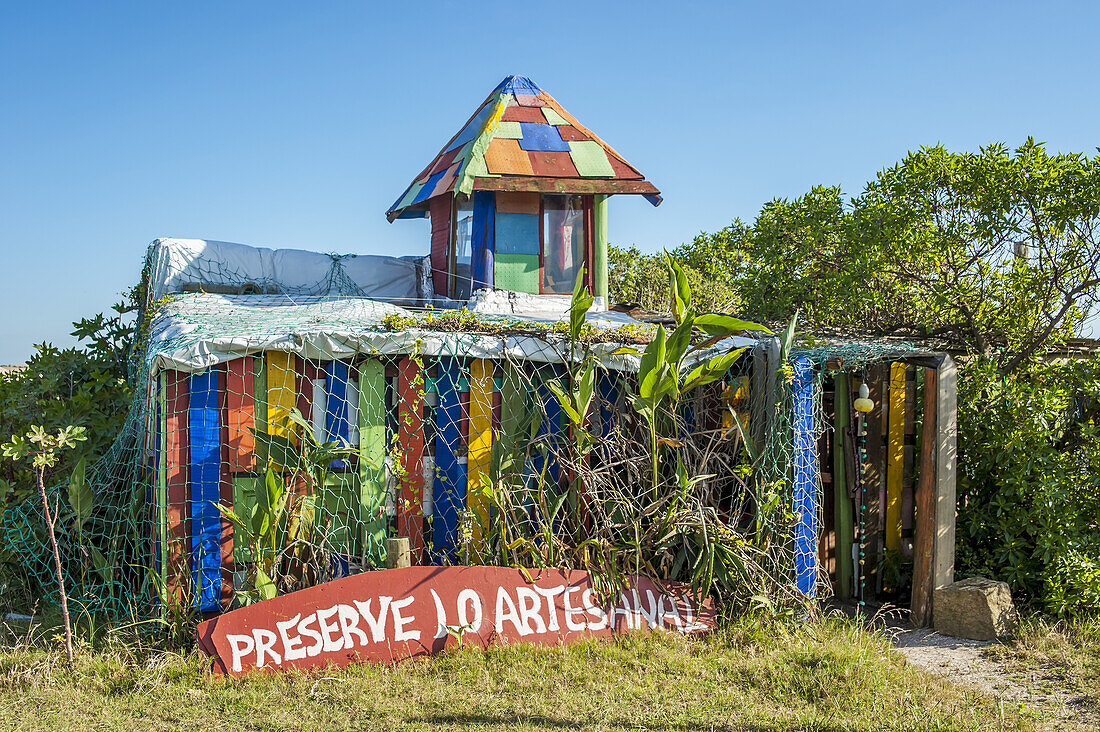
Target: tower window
563	241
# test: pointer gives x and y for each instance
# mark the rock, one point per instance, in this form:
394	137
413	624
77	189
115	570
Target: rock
975	608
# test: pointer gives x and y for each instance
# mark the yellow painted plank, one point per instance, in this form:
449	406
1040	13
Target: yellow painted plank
282	391
480	447
895	451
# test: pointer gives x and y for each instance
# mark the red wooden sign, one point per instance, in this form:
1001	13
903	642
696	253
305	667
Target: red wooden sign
394	614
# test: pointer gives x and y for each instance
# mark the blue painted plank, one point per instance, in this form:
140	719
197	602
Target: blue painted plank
484	227
429	186
336	416
541	137
205	450
449	491
805	478
519	85
517	233
549	432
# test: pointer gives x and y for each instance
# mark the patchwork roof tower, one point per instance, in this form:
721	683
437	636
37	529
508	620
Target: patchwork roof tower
518	198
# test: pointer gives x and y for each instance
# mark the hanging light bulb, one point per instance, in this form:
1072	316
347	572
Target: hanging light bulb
864	403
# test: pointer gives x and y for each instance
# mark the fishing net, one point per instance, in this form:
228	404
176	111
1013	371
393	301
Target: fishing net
282	431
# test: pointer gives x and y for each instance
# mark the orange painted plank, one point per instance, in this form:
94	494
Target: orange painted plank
410	442
240	418
518	202
504	156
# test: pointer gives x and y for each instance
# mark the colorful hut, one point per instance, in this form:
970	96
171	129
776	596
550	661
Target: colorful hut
518	198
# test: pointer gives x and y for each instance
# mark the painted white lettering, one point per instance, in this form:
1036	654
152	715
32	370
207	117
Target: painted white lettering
399	623
529	606
570	611
672	613
265	645
308	632
550	593
588	599
292	645
377	624
504	598
624	610
440	616
349	624
327	629
466	599
242	645
651	615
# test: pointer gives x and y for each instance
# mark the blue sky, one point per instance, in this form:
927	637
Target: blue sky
298	124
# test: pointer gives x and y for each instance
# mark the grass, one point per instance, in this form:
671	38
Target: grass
1066	652
828	675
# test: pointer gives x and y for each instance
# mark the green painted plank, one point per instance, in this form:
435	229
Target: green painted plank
590	159
552	116
244	500
516	272
508	131
600	263
372	446
340	520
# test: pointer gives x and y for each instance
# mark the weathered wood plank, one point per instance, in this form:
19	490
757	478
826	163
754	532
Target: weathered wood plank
564	185
924	530
946	439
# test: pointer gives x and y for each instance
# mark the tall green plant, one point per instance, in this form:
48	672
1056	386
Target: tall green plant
45	450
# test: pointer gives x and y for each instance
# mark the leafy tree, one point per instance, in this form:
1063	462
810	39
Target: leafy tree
995	251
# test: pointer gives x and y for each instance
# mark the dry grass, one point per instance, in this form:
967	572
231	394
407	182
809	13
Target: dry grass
829	675
1065	654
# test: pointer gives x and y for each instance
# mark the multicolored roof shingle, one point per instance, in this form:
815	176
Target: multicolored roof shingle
521	139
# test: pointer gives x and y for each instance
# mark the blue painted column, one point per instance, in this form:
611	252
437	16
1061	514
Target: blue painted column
805	477
204	431
483	234
337	427
449	491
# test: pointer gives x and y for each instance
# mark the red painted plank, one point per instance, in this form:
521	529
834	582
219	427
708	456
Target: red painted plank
410	441
177	459
523	114
395	614
553	164
307	372
240	416
443	161
439	208
622	170
571	133
528	100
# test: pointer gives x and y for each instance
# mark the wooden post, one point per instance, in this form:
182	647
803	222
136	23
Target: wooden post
946	436
398	553
924	539
842	501
895	456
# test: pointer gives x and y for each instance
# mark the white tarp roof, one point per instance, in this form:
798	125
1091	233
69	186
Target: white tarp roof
176	264
195	331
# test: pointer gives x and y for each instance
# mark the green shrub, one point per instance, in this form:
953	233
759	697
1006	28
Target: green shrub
1029	480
